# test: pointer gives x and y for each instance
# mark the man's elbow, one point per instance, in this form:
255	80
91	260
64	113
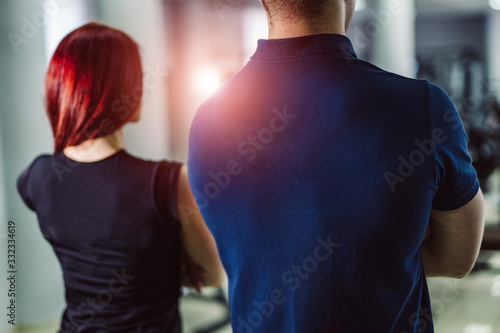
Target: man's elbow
464	271
458	275
459	271
448	269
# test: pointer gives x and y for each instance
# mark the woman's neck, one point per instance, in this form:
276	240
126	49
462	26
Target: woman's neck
96	149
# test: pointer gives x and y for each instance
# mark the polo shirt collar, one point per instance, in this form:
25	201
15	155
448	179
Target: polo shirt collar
275	49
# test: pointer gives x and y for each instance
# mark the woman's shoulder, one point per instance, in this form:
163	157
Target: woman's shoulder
42	158
39	165
23	181
39	161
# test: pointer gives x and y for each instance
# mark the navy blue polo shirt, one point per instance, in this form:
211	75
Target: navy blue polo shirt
316	173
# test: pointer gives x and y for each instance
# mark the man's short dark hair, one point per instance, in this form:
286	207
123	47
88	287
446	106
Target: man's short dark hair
308	9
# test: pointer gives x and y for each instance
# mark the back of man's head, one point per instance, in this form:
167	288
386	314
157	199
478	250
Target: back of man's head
307	9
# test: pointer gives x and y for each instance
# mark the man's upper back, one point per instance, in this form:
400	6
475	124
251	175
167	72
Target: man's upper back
316	172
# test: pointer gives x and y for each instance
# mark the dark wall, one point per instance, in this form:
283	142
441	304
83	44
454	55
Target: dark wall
435	32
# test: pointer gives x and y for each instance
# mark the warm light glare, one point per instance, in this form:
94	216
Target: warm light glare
361	5
478	328
495	4
495	288
208	81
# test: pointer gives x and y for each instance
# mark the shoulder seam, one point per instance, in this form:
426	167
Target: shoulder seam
429	133
29	176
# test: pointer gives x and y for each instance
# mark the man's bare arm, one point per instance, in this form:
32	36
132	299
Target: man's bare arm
455	239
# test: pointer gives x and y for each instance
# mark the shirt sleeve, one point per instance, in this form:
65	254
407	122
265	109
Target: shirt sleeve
165	184
23	186
456	178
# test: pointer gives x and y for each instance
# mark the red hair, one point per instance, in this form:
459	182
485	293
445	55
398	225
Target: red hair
93	70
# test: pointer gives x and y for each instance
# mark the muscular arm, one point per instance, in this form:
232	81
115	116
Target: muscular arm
455	238
196	237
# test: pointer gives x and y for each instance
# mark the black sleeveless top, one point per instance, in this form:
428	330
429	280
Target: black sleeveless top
114	229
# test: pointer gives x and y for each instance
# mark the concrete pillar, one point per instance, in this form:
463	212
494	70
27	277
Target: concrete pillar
25	133
3	237
145	22
391	26
493	49
65	16
3	208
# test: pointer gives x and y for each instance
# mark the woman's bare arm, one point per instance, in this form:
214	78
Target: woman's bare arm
197	240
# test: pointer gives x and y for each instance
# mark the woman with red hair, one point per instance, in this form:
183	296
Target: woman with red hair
118	224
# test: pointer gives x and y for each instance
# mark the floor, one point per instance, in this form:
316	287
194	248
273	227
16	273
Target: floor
469	305
199	312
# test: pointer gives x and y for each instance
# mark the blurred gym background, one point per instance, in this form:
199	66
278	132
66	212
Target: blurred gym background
189	48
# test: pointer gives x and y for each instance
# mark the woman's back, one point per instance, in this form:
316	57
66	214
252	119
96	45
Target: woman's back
112	225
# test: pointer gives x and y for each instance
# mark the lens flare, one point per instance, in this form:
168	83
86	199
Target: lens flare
495	4
208	81
360	5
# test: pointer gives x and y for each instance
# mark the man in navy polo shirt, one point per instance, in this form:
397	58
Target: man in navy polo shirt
333	188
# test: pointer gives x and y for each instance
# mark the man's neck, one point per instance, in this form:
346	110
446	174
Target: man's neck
290	27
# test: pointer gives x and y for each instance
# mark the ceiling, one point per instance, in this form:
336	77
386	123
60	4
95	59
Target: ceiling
453	6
